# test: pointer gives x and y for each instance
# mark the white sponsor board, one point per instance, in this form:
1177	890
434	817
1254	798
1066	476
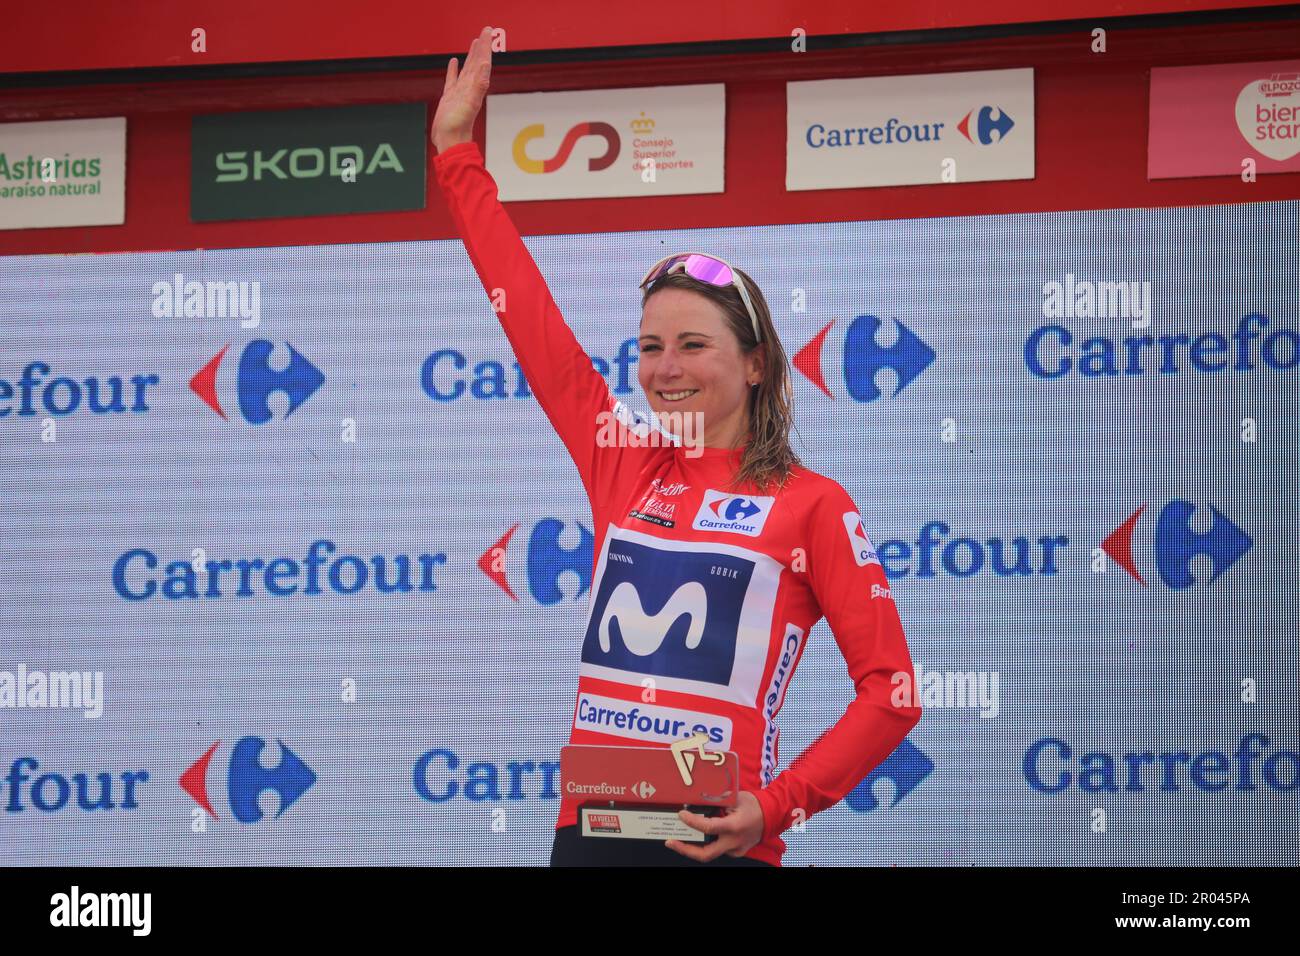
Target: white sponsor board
909	130
63	173
647	141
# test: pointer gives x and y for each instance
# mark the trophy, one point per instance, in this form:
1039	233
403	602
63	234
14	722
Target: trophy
636	792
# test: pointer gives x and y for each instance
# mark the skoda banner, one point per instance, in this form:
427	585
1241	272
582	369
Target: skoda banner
315	162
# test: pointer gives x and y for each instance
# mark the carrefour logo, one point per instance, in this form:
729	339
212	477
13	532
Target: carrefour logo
441	775
1051	766
982	126
904	769
988	121
246	778
864	552
256	381
863	356
28	784
37	392
1176	544
575	133
545	560
200	576
720	511
936	550
939	550
1051	351
449	375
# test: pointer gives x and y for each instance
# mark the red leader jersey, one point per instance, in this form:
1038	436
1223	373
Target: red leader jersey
702	594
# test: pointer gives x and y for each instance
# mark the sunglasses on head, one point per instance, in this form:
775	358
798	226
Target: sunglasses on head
705	268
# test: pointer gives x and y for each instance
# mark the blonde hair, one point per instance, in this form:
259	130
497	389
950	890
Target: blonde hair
768	457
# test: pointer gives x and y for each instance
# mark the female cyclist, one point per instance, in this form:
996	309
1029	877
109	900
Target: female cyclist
711	563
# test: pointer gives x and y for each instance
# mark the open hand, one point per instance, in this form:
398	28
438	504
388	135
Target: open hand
738	830
463	92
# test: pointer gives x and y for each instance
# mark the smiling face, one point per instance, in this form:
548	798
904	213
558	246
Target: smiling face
691	362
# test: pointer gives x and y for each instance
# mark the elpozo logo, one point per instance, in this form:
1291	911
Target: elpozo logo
308	162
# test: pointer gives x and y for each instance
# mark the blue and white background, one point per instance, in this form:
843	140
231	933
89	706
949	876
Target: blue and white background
1142	718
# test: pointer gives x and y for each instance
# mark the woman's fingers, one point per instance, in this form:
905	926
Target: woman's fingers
464	87
480	51
471	56
450	79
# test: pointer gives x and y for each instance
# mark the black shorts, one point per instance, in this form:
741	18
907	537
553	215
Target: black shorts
571	848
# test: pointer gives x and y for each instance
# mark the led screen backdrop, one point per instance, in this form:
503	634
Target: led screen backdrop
1087	514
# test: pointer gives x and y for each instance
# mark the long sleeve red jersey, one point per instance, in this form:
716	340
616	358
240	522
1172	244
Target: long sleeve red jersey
702	596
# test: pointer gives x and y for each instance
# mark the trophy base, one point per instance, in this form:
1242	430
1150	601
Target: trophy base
640	822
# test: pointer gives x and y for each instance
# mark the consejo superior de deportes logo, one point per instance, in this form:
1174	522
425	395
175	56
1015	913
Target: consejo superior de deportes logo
864	356
600	130
246	779
1176	544
545	559
256	381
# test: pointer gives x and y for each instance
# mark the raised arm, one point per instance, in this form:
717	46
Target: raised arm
574	396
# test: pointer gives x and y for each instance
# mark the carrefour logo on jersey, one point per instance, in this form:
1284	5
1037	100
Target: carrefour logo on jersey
449	375
864	552
322	570
741	514
1053	352
638	720
1176	544
545	560
246	778
862	356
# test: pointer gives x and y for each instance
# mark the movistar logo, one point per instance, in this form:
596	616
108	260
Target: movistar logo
642	633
